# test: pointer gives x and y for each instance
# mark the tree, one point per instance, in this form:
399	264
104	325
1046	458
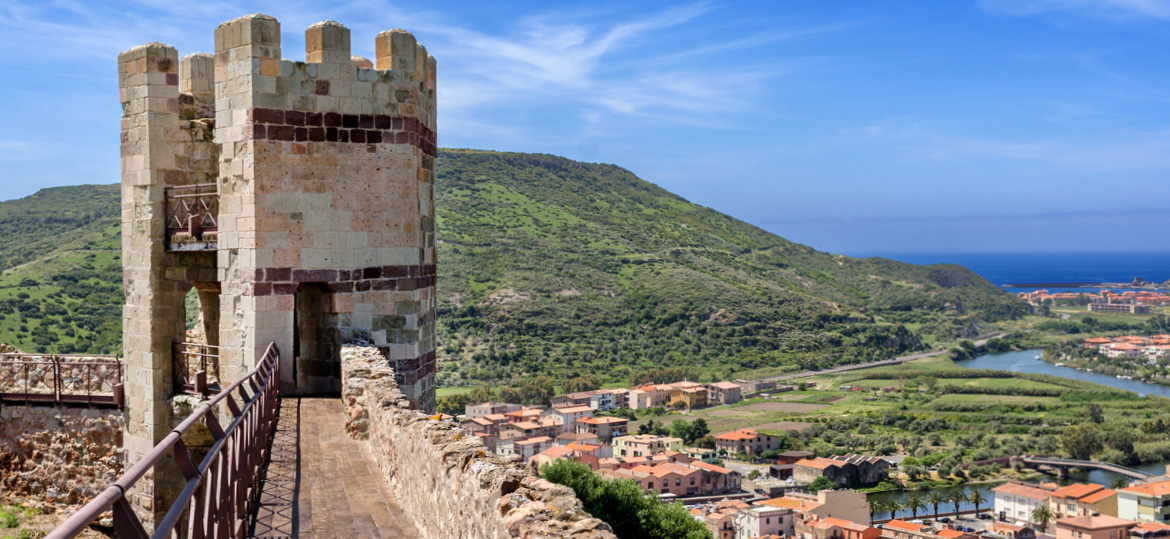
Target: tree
511	395
1095	412
956	497
914	503
538	390
681	429
1042	515
629	510
755	474
1119	483
821	483
706	442
453	404
699	429
481	395
976	498
893	506
875	507
1080	441
935	498
582	383
1121	440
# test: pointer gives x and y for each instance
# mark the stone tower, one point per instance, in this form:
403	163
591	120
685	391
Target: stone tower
296	198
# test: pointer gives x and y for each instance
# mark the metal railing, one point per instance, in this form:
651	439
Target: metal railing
192	210
222	490
196	367
51	378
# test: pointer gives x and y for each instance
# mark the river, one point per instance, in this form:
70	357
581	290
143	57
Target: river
1026	361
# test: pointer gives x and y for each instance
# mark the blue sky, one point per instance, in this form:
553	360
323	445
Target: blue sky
862	126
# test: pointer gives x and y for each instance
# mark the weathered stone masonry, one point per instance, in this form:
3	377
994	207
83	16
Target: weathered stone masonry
58	455
322	218
446	480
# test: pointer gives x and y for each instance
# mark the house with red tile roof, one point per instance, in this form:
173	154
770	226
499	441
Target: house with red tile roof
1093	527
1081	499
747	441
1015	502
1147	502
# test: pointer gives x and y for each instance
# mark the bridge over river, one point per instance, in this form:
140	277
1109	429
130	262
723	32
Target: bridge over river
1066	464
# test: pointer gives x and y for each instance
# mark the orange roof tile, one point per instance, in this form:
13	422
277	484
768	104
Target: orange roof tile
1099	495
1077	491
903	525
949	534
1160	488
1094	522
736	435
1025	491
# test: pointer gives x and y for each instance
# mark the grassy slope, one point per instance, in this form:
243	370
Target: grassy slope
553	266
60	254
610	273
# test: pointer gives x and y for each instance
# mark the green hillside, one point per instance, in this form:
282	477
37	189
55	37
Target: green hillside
550	266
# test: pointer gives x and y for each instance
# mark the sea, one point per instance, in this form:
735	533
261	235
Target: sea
1004	268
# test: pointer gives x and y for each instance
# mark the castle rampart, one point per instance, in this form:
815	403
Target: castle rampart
445	478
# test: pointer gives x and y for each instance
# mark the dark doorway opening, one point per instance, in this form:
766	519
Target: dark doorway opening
316	343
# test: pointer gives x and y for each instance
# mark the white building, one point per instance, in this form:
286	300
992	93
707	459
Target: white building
1015	502
759	521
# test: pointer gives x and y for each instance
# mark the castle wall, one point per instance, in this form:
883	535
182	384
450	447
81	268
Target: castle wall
446	480
58	455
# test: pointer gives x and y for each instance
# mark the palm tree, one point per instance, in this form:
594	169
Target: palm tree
875	506
1042	515
935	499
893	506
976	497
957	497
914	503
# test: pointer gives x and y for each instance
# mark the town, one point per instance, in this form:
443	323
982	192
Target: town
744	486
1104	301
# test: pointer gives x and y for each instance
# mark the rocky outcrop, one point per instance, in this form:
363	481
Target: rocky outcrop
448	482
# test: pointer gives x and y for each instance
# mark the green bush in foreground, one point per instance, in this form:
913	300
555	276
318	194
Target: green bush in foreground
632	512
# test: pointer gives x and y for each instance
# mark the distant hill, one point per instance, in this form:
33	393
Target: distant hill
551	266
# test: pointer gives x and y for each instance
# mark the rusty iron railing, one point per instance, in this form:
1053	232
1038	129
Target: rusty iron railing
196	367
52	378
222	490
192	210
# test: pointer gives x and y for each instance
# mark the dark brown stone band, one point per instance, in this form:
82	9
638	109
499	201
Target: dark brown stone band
409	371
277	281
298	126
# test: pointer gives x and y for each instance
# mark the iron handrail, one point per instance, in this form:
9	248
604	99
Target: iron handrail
191	381
63	384
221	490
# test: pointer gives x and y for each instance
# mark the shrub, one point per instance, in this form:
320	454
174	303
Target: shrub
623	504
10	520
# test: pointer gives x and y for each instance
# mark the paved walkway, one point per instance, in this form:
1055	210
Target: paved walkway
321	483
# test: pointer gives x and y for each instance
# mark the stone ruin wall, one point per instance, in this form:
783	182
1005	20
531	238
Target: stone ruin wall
58	455
445	477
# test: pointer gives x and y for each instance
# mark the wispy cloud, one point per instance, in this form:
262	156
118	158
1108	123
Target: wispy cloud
1119	10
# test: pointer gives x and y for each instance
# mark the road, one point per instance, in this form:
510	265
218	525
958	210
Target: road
872	364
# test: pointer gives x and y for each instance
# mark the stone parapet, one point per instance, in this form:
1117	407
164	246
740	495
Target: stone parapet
447	481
